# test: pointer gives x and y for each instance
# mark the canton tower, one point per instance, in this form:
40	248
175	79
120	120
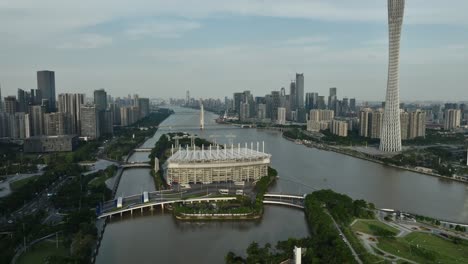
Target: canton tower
390	140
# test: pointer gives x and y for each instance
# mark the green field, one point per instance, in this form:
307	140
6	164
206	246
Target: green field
426	248
364	226
20	183
41	251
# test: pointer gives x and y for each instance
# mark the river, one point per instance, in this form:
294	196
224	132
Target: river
157	238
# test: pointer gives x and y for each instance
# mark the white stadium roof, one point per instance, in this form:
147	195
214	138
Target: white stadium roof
189	156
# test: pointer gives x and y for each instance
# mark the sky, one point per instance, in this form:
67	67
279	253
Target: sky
213	48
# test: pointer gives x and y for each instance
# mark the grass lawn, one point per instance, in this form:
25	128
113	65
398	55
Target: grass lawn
426	248
15	185
39	252
364	225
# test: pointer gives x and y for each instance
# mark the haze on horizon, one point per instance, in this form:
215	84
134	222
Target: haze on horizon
216	47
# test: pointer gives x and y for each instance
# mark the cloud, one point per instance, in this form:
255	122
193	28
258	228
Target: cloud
161	29
86	41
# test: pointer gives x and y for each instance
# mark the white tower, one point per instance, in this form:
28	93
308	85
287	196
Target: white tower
202	116
390	139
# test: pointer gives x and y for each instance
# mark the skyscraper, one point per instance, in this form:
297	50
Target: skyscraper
10	104
90	125
281	116
332	99
46	84
36	117
390	140
70	104
100	99
299	90
293	96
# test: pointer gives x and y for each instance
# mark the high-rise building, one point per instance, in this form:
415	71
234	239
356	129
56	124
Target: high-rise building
281	116
390	140
144	106
90	123
71	104
300	90
332	99
311	101
100	99
20	126
275	103
36	97
36	116
261	111
339	128
293	96
57	123
237	101
364	121
187	97
10	104
106	122
46	84
321	115
404	124
5	124
129	115
23	101
115	108
452	119
352	105
321	103
282	92
375	126
417	124
244	111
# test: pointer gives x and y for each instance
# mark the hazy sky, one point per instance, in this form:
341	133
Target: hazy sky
215	47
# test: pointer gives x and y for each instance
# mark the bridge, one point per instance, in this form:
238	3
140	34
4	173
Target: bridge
291	200
142	150
161	202
136	165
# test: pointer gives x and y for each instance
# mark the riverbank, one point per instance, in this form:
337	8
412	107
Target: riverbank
362	156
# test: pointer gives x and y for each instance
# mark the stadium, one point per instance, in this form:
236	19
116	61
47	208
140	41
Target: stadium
206	166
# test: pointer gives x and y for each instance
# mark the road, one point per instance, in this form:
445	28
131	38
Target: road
356	257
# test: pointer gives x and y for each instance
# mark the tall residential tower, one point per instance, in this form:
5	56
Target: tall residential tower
390	140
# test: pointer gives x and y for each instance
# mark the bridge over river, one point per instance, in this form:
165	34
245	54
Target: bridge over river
161	198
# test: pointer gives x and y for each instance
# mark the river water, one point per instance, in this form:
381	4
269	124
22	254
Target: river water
157	238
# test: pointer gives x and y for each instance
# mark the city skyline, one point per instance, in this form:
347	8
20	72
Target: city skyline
334	44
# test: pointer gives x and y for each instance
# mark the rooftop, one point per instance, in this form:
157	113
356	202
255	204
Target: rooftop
229	154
